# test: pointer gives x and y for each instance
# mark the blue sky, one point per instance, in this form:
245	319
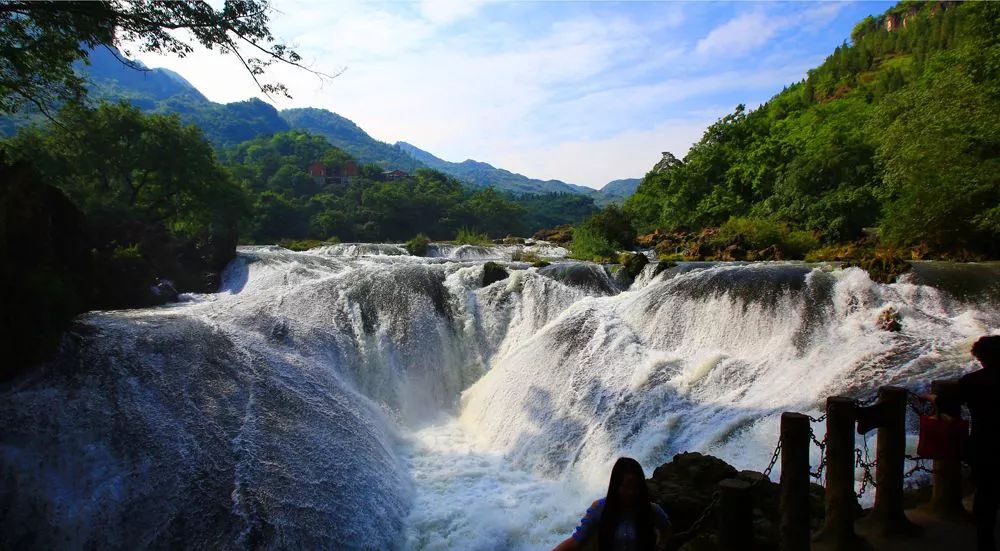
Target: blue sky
584	92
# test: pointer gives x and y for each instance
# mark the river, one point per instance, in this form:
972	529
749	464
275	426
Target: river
355	397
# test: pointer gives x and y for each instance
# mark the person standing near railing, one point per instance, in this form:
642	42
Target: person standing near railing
980	390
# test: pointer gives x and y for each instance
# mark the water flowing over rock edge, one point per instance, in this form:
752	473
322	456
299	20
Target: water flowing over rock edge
273	414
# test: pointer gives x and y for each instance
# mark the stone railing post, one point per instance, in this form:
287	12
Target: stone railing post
735	515
841	502
794	504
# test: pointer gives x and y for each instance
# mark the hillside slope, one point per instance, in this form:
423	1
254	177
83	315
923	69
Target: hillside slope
896	130
485	175
164	91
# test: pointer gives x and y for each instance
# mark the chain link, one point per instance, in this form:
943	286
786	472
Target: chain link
918	467
866	465
819	419
866	401
821	444
770	466
696	525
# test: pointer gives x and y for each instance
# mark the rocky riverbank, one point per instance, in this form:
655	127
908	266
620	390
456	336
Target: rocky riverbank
686	485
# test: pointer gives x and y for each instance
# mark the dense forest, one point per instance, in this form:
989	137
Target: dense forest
895	135
289	203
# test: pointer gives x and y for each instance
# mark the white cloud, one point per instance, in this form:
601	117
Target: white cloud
739	35
448	11
596	162
577	92
751	30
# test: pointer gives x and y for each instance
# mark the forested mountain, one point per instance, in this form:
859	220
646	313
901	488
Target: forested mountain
348	136
896	130
484	175
618	190
163	91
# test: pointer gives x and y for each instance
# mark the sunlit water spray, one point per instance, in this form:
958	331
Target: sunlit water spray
356	397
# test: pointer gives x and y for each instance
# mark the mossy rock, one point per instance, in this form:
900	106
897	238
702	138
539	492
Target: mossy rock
418	245
633	264
663	266
493	272
883	267
540	263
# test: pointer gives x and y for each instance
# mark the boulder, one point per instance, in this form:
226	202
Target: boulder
559	234
633	264
650	239
493	272
662	266
889	320
686	486
770	253
164	291
734	253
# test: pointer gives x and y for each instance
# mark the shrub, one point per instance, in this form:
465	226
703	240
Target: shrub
757	234
530	257
590	244
467	236
752	233
418	245
306	244
798	243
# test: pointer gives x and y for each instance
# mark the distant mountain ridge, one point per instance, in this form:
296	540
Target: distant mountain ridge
484	174
620	189
164	91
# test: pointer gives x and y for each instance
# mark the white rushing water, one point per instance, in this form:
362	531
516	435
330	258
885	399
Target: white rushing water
356	397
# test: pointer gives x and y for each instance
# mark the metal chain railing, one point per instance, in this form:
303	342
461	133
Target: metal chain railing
918	467
707	512
770	466
821	444
862	460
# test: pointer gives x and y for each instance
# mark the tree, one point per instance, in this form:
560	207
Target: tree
40	41
115	161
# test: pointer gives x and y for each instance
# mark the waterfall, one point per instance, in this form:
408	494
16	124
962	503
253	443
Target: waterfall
353	396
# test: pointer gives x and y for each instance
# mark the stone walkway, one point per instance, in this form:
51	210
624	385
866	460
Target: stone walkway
938	534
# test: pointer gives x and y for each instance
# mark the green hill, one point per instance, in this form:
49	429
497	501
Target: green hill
485	175
113	78
348	136
897	130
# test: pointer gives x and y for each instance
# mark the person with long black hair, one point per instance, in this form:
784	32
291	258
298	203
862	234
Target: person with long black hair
625	519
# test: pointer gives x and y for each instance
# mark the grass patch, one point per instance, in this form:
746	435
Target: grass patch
418	245
590	244
758	234
467	236
306	244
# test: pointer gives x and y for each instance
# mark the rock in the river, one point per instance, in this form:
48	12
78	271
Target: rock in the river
164	290
493	272
889	320
685	488
633	264
559	234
